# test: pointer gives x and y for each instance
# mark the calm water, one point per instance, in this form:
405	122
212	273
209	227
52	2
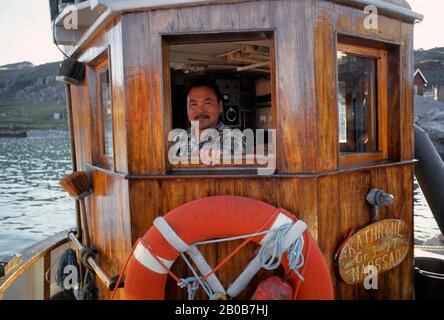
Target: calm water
425	224
33	205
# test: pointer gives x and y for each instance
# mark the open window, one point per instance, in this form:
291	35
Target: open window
102	113
362	103
241	65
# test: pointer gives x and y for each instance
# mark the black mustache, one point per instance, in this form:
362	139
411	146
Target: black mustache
202	114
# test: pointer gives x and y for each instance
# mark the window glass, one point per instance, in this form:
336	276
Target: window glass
106	114
357	103
236	78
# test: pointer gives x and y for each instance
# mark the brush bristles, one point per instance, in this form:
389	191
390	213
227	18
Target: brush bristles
71	71
76	184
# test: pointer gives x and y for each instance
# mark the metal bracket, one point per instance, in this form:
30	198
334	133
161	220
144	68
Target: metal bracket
377	198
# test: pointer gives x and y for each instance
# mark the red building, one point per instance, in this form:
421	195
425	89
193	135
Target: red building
420	82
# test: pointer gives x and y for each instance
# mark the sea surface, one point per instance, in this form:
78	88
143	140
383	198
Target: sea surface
33	206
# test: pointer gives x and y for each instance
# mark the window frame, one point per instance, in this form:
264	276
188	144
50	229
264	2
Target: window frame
100	64
381	57
177	39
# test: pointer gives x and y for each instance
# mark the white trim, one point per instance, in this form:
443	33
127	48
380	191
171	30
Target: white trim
421	253
68	37
107	16
65	12
145	258
388	8
204	268
170	235
280	221
255	265
126	5
421	74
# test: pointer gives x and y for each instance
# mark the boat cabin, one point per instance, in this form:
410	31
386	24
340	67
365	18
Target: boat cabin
329	82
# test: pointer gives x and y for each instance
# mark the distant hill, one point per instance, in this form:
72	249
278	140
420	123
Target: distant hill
24	82
15	66
29	96
431	63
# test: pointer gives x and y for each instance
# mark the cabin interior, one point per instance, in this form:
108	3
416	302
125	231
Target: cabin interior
338	94
240	69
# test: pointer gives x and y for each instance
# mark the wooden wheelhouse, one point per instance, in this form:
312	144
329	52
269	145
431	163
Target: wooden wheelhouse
337	88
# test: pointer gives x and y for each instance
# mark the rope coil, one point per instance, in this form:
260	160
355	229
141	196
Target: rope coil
271	251
193	284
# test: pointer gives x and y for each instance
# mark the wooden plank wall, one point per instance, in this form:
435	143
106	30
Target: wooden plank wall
342	208
332	202
108	211
294	74
305	75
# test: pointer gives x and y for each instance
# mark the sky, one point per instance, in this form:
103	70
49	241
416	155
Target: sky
428	33
25	30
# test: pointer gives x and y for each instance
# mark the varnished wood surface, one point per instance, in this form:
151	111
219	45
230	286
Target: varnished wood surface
137	72
109	220
305	33
342	208
406	90
329	208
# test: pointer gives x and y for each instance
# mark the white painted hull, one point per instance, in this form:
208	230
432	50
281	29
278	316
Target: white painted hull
25	273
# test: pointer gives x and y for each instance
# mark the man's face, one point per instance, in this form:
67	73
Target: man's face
202	106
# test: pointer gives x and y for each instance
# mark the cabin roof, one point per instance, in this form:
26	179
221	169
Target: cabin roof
92	14
421	75
399	3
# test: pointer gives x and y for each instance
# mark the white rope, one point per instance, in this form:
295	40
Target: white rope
270	257
271	251
192	283
251	235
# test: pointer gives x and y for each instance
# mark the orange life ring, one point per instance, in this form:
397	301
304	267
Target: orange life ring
219	217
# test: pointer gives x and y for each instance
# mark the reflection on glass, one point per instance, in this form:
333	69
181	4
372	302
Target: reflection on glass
342	115
105	98
357	103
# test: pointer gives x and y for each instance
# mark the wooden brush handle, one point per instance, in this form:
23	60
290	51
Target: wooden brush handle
84	222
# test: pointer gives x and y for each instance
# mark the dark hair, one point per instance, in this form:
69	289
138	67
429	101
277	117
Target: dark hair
205	82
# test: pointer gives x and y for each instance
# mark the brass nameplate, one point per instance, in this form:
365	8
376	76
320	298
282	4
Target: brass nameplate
383	244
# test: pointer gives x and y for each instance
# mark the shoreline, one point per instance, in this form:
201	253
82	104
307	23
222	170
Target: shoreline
31	133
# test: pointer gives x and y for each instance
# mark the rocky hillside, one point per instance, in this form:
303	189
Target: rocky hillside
30	98
429	115
431	63
25	83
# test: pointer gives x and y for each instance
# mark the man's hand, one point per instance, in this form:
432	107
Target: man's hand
210	156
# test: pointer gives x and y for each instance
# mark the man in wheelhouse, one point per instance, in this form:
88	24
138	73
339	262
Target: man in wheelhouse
207	138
